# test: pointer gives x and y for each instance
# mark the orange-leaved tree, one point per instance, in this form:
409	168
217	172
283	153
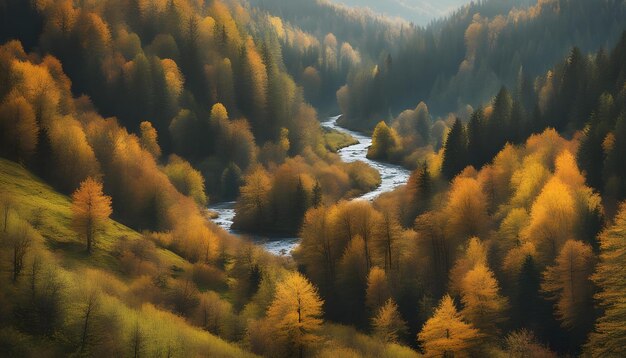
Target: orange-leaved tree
90	210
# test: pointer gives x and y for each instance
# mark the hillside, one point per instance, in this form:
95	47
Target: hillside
420	12
64	261
148	146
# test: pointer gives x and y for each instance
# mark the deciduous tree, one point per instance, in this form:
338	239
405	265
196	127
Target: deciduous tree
388	325
296	312
482	303
446	334
90	210
568	283
609	337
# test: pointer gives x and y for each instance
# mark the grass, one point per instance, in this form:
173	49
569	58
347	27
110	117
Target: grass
49	211
336	140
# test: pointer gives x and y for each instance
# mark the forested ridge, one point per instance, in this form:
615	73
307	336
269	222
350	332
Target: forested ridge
121	120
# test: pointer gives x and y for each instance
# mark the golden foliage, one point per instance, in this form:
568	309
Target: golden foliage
90	210
568	282
482	303
552	219
296	312
388	325
18	128
378	291
466	209
149	141
609	337
445	333
186	179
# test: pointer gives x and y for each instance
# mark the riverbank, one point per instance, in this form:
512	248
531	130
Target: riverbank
391	175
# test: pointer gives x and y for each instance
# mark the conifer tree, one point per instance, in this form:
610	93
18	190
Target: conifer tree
455	151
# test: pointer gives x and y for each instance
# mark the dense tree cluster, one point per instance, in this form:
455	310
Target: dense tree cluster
522	228
465	58
508	238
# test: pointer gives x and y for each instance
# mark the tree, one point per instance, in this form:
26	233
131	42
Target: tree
20	240
455	151
423	122
296	312
89	313
149	140
388	233
475	254
568	283
609	337
384	142
7	203
476	139
499	124
419	187
388	325
378	291
186	179
482	303
466	209
90	210
253	203
231	180
523	344
445	334
18	128
552	219
316	195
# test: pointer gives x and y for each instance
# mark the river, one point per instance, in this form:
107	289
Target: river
391	176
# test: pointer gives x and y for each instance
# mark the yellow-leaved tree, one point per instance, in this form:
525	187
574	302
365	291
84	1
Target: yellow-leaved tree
445	334
295	313
609	336
551	219
482	302
568	283
388	325
90	210
378	291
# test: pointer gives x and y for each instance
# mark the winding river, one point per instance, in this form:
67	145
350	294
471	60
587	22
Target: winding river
391	177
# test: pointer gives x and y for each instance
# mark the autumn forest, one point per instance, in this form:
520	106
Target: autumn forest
303	178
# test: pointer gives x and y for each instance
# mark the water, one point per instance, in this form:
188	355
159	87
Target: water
391	177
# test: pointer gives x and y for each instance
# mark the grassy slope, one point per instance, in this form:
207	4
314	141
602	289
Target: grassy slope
336	140
34	198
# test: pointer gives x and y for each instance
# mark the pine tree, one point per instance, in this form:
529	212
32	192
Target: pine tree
316	195
475	139
499	124
301	204
455	151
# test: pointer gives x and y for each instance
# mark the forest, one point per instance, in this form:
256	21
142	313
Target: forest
152	151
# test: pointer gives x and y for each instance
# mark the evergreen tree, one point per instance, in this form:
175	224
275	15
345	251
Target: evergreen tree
301	205
475	139
499	124
316	195
455	151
